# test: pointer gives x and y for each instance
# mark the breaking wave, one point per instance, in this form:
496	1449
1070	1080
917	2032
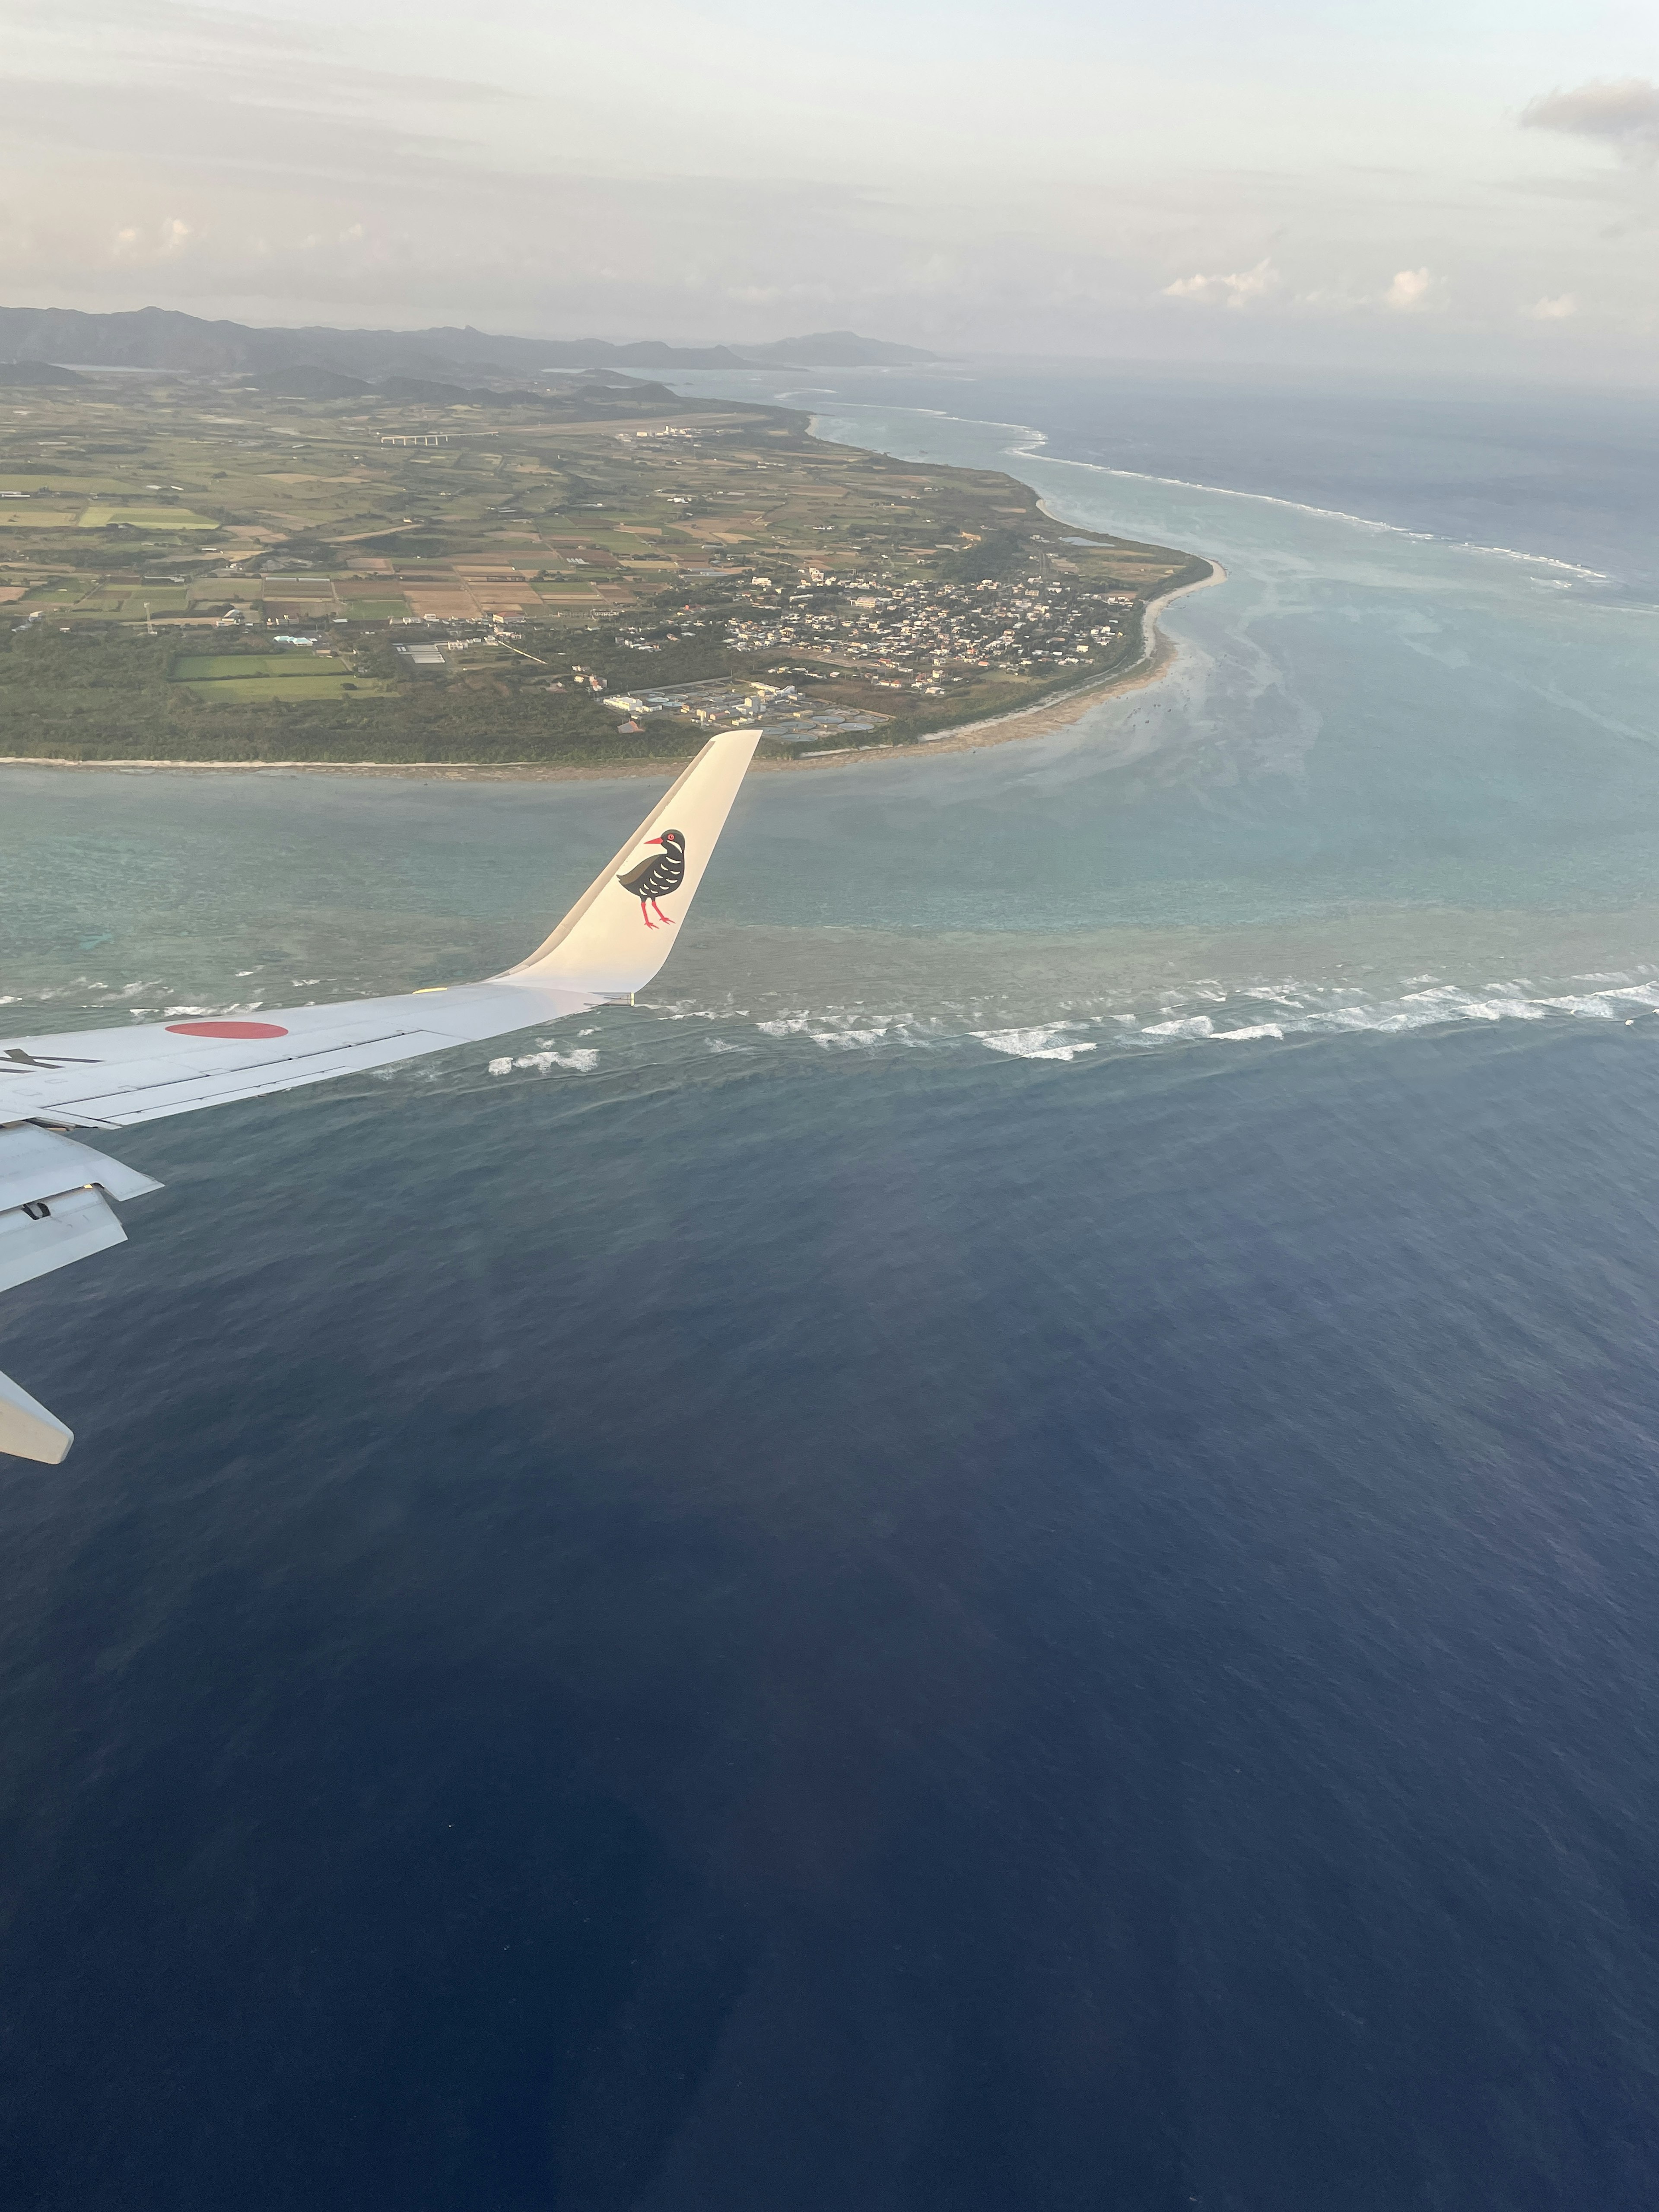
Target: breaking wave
1204	1012
1038	1043
582	1061
1029	443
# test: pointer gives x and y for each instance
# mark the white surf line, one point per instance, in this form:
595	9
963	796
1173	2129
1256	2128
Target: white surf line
1035	440
1337	514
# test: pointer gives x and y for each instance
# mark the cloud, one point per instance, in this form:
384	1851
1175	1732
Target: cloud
1623	113
170	238
1557	310
1412	290
1237	290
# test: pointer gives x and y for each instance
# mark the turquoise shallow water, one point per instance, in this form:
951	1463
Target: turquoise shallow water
1000	1550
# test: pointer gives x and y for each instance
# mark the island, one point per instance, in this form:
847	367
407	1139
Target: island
591	574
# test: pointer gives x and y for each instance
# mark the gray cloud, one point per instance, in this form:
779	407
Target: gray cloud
1624	114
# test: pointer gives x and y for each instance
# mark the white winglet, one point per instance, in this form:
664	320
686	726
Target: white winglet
609	941
54	1193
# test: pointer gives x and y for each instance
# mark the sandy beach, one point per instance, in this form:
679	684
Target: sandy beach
1054	712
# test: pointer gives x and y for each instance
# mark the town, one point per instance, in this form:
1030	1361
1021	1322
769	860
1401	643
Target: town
925	635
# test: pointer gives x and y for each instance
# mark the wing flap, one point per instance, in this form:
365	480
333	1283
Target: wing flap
46	1234
38	1163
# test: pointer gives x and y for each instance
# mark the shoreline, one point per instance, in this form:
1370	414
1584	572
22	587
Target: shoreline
1040	719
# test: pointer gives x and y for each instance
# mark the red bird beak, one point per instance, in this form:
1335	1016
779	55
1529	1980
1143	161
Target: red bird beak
654	840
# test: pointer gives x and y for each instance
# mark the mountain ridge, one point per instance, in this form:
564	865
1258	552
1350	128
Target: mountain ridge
165	339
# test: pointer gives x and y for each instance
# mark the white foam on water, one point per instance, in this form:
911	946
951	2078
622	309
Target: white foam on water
1448	1002
582	1061
847	1039
77	988
1036	1043
684	1012
1298	1009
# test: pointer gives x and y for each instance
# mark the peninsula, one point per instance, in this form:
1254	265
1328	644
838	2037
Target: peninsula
583	571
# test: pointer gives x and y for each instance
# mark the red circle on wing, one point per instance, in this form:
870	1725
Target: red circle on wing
225	1029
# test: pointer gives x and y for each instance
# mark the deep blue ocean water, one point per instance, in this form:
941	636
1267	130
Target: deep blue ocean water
1002	1552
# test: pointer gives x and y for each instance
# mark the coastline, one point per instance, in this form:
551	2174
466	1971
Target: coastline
1057	712
1061	708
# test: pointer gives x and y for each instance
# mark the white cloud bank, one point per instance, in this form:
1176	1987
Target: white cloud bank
1239	290
1409	292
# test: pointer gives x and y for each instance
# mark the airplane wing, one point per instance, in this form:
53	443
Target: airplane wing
54	1191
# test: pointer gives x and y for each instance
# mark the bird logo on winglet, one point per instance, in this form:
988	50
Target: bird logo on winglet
655	876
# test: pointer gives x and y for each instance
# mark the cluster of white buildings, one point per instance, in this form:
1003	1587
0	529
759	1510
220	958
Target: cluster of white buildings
925	635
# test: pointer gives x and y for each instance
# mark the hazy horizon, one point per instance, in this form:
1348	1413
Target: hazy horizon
1432	191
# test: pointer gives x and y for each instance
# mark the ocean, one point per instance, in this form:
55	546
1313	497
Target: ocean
1002	1550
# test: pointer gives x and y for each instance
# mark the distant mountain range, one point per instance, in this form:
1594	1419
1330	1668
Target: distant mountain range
158	337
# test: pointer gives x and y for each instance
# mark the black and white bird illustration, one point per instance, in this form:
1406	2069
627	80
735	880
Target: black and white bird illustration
656	876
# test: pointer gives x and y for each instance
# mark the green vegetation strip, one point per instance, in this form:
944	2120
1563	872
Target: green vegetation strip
228	667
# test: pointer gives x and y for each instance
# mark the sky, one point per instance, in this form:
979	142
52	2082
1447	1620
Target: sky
1452	187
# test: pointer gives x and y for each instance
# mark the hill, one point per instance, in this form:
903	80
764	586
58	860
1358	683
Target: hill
13	373
161	338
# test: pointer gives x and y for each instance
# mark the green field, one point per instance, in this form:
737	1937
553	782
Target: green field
270	691
256	679
211	667
144	517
